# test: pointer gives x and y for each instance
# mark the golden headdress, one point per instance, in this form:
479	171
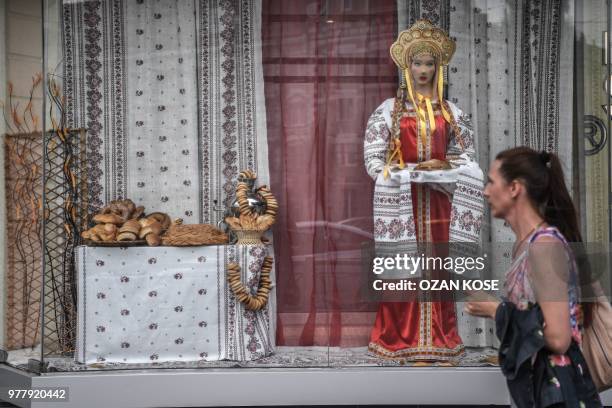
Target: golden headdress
422	38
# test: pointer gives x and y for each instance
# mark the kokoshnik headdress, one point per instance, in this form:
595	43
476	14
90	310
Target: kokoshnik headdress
422	38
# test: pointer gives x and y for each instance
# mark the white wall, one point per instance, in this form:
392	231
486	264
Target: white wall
24	48
2	199
20	59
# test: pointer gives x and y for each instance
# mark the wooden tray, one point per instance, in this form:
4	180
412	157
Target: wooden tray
139	242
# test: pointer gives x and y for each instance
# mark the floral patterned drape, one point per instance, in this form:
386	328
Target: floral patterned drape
171	94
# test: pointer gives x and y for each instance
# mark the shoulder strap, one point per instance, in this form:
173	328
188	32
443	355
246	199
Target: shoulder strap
548	231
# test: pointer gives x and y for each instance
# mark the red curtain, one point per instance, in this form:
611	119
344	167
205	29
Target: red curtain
326	68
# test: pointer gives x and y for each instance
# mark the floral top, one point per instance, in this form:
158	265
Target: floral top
519	291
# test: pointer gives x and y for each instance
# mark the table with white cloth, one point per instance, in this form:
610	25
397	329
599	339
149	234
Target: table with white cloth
160	304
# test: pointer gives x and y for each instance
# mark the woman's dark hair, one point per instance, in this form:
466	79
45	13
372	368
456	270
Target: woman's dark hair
542	175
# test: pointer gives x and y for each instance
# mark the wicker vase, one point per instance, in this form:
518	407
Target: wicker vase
248	237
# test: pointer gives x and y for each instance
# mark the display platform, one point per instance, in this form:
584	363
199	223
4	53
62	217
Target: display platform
283	357
339	375
269	387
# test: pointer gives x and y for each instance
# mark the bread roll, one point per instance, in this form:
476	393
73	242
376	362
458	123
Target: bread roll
108	219
132	226
153	239
126	236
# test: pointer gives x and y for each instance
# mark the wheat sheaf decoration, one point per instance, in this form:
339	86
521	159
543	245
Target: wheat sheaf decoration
242	294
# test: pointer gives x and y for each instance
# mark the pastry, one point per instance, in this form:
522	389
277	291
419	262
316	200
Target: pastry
138	212
123	208
126	236
101	232
149	226
153	240
110	228
130	226
108	219
150	231
162	218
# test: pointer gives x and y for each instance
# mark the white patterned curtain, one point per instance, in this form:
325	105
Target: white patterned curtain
478	82
513	73
171	95
231	102
160	151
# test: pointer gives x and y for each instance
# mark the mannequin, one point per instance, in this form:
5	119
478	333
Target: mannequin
419	147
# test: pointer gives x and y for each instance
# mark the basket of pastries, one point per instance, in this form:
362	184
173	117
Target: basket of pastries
122	223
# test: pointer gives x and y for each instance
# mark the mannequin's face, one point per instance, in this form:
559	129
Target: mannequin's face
423	68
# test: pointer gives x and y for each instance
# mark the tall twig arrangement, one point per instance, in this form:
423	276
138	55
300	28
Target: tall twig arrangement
23	175
64	186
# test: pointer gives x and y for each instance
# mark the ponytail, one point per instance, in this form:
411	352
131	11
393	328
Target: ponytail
558	208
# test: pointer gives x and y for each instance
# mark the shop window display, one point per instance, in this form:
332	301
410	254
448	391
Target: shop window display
166	103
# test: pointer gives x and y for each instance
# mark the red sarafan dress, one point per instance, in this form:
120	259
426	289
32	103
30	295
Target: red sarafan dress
421	330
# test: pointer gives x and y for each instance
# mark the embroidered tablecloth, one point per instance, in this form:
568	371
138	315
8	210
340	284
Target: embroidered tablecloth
154	304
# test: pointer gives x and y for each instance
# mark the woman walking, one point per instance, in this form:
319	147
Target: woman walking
539	321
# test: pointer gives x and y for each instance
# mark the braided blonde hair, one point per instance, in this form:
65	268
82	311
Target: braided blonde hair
454	125
399	108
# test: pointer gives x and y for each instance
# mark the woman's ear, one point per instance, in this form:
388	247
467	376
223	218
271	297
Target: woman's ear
516	187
